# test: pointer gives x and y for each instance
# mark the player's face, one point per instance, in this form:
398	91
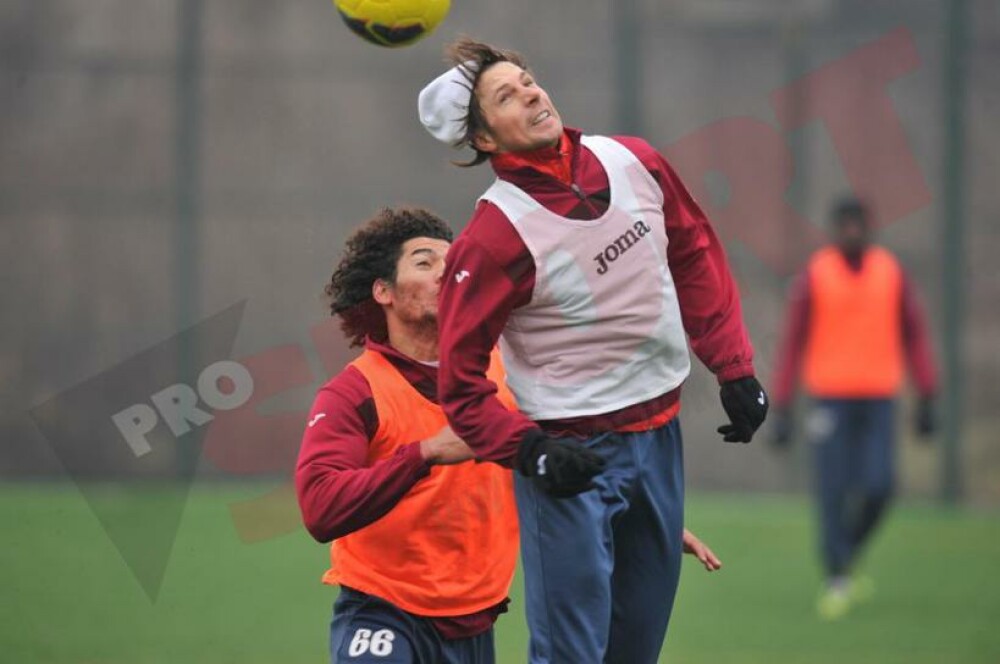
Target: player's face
851	234
519	114
413	298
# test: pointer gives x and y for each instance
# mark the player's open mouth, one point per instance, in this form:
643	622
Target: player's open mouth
541	117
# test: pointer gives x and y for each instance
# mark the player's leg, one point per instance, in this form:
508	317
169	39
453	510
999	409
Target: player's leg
830	429
648	548
366	630
876	468
567	558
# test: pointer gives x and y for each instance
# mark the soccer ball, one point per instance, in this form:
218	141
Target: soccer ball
392	22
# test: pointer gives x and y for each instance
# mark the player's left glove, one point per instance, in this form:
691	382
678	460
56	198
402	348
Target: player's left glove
745	402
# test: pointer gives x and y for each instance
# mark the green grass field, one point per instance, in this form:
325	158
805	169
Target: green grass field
69	597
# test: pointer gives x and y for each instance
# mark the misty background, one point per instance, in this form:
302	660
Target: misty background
162	161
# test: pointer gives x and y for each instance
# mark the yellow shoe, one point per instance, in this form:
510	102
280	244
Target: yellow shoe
833	604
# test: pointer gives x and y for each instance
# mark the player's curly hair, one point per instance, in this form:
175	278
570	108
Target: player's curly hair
464	50
372	252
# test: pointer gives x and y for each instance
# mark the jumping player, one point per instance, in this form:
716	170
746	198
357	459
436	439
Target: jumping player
589	262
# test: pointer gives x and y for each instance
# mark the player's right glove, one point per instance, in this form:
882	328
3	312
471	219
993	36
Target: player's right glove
561	467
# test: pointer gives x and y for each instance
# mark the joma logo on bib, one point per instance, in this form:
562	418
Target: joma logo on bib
621	244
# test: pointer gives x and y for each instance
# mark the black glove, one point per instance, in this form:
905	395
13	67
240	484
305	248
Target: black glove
561	467
924	422
746	405
782	428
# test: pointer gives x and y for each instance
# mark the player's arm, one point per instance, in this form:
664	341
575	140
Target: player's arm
920	356
916	341
338	491
789	357
709	299
794	334
478	294
707	292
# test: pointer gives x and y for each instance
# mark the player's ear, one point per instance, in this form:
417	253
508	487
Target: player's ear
382	292
483	142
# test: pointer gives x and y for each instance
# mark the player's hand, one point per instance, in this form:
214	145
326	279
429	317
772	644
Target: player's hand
782	429
746	405
695	547
445	448
924	422
561	467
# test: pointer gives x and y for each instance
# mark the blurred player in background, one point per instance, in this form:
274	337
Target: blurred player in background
588	261
853	322
424	550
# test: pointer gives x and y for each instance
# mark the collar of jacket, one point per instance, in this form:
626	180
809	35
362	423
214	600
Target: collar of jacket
421	376
530	169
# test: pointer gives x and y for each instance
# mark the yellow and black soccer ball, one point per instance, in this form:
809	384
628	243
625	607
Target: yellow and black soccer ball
392	22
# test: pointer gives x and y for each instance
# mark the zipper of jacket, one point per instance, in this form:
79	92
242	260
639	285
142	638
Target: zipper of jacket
575	188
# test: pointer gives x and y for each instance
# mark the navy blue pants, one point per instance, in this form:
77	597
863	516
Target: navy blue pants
854	469
366	629
601	568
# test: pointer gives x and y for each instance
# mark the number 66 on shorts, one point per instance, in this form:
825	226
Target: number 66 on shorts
373	644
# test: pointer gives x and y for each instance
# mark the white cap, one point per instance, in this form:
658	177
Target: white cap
444	104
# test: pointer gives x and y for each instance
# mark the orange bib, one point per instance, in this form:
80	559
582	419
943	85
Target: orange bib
449	547
854	348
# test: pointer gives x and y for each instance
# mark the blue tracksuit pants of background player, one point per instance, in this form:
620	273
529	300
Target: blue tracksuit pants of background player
853	452
601	568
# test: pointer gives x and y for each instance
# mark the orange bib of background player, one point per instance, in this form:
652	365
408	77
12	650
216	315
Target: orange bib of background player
854	347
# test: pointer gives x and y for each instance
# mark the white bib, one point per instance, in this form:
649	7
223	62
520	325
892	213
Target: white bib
603	328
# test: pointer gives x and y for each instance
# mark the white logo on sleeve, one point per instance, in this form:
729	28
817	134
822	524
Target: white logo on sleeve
462	276
541	464
316	419
761	399
378	643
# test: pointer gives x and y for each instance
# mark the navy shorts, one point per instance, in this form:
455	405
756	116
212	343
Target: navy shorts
369	630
